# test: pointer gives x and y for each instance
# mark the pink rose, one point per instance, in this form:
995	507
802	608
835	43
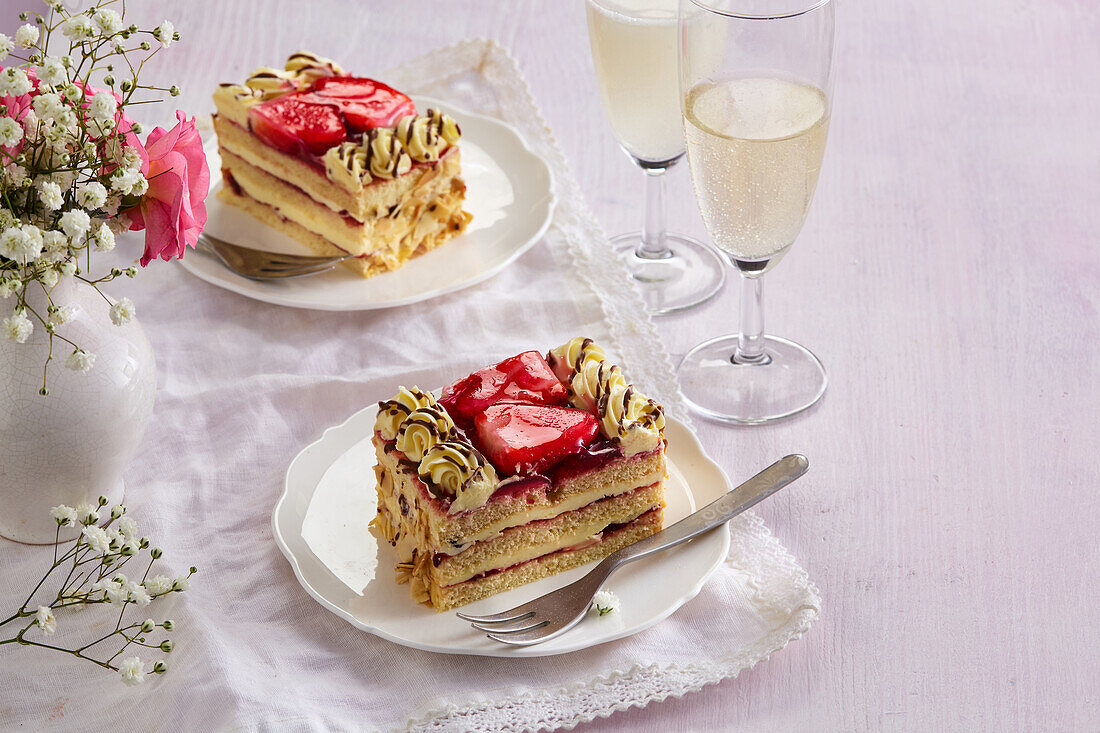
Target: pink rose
173	211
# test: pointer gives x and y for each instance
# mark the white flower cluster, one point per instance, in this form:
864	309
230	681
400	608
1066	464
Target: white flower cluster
605	603
66	170
108	540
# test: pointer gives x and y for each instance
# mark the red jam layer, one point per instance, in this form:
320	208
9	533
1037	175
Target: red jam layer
439	557
593	458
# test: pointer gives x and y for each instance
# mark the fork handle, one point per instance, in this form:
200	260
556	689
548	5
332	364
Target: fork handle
718	512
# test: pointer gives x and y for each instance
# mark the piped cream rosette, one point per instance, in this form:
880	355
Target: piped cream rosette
423	431
388	153
461	472
392	413
300	71
626	416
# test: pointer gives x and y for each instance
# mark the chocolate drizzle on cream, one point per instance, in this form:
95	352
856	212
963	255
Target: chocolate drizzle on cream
628	418
301	70
388	153
422	429
450	467
392	413
459	470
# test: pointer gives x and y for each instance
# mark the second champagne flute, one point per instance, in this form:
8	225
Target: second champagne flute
634	50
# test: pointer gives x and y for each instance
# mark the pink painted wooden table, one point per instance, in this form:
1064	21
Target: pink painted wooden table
948	279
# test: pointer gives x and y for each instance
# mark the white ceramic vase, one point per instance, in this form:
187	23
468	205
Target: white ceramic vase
72	445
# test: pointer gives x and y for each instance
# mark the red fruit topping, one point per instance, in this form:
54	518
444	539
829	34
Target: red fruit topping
525	377
366	103
527	439
297	124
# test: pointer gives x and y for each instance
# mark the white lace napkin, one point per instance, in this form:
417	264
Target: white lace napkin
244	385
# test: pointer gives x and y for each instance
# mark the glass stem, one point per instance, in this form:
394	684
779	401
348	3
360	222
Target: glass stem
750	339
653	246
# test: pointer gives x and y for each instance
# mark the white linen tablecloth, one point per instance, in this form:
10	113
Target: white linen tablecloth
242	386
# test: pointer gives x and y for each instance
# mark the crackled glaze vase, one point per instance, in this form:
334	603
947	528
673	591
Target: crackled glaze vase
72	445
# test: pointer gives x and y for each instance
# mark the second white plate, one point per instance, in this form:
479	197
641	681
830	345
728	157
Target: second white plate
509	191
320	524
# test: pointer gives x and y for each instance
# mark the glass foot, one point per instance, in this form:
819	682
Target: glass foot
691	275
788	381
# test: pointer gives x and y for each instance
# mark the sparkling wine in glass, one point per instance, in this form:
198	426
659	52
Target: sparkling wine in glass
755	125
634	49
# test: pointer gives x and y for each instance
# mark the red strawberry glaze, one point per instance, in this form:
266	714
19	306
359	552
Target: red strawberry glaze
366	103
524	378
295	125
528	439
331	111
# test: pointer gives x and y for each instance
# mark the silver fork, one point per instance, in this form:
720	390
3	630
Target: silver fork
256	264
557	612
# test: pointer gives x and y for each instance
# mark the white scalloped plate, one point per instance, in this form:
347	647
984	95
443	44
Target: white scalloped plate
320	524
509	190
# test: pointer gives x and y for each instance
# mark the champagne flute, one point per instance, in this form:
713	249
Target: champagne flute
634	52
755	124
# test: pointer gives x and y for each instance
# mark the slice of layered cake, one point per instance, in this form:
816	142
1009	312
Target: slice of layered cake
518	471
340	163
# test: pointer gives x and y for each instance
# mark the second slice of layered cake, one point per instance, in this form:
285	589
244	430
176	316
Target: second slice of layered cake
343	164
523	469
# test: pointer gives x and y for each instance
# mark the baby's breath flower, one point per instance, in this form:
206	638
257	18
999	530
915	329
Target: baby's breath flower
109	21
45	620
6	46
61	315
78	28
11	132
55	244
91	195
63	515
72	92
47	106
52	71
87	513
8	286
132	670
75	223
26	36
164	33
137	593
96	538
148	625
104	106
14	82
80	361
605	602
49	278
181	583
67	269
115	537
122	311
14	173
18	328
158	585
104	238
22	244
49	193
128	527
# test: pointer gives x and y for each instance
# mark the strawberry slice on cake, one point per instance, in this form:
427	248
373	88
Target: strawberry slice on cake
525	468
